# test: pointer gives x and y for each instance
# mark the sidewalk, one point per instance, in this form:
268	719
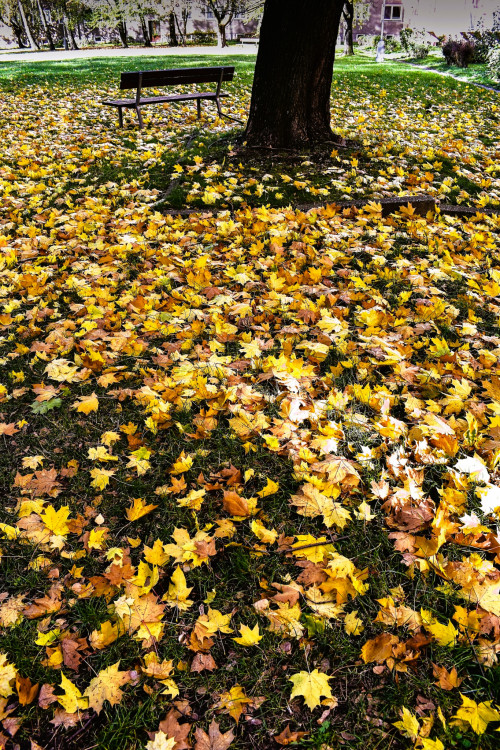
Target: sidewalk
83	54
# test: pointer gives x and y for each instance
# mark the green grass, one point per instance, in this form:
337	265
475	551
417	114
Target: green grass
476	73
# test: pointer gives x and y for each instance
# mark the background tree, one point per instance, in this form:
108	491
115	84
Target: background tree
224	11
355	14
290	105
114	13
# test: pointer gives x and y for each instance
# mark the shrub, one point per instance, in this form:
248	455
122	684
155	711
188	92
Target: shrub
391	44
494	62
415	43
458	52
203	37
484	40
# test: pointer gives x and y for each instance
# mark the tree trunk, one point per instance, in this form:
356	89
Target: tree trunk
290	106
27	30
221	34
122	31
45	25
172	34
145	32
349	21
18	33
74	45
179	30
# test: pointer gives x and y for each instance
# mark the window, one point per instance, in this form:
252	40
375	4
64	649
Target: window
393	13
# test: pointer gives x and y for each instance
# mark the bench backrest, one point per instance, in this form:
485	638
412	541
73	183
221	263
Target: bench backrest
175	77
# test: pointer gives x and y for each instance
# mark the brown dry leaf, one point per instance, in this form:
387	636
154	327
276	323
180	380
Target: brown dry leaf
70	649
46	696
171	727
45	482
47	604
214	740
446	680
286	737
203	661
8	429
26	690
12	724
63	719
234	504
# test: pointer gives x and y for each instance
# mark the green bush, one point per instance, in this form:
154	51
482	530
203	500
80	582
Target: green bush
415	43
203	37
391	44
494	62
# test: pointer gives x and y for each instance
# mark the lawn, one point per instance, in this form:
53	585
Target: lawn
249	457
474	73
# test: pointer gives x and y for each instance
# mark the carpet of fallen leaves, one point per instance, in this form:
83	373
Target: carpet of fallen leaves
198	417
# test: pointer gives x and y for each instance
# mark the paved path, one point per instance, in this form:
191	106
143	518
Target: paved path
83	54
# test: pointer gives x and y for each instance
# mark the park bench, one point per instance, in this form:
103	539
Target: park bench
140	80
254	40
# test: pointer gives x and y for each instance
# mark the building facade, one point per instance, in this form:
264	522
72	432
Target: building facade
449	17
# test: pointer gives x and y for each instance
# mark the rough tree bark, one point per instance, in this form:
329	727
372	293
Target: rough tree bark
45	25
148	42
122	31
349	22
172	34
290	106
26	26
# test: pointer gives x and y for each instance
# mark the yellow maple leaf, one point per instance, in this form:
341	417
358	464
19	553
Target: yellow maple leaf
178	593
477	715
97	538
161	742
146	577
408	725
55	520
353	624
444	635
8	674
233	702
267	536
87	404
156	554
138	460
311	686
72	700
138	509
249	636
214	621
270	489
311	548
183	463
109	437
107	633
101	477
106	686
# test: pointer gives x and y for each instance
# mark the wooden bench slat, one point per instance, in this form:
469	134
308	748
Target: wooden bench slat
176	77
166	98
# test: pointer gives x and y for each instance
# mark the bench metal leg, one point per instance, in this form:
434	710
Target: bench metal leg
221	113
120	116
139	117
198	107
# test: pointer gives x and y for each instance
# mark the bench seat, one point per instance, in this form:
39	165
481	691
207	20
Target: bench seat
163	98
